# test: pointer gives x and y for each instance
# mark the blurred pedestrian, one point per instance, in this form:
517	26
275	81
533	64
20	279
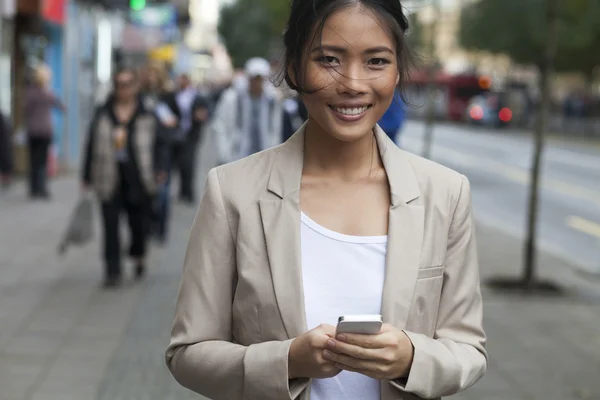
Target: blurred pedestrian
248	118
193	111
159	98
337	221
6	152
153	85
124	160
294	115
38	104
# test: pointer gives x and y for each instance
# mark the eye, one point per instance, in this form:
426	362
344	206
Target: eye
328	60
378	62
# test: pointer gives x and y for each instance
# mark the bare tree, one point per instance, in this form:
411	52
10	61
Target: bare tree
546	68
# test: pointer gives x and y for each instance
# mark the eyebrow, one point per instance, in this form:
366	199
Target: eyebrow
342	50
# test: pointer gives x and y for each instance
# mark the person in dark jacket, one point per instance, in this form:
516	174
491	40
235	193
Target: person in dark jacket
124	161
392	121
192	111
39	102
6	156
294	115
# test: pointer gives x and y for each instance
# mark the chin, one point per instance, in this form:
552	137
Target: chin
349	131
350	134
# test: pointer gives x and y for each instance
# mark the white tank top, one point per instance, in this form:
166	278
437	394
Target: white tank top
342	275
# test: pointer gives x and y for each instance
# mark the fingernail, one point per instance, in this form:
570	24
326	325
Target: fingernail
330	343
341	338
326	354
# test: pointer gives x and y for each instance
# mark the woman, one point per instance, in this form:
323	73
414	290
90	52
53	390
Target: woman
124	159
39	102
336	221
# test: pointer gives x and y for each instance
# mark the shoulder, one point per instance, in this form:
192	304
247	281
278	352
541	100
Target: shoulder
245	181
440	186
146	113
428	171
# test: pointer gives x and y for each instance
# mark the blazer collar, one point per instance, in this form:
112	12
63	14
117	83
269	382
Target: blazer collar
286	172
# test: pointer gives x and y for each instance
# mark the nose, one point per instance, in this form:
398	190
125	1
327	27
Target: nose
352	80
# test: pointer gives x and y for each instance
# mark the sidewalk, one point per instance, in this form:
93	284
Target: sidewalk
63	337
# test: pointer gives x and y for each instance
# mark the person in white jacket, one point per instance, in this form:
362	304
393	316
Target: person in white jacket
248	117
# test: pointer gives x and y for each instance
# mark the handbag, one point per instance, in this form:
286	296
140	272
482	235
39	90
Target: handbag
80	229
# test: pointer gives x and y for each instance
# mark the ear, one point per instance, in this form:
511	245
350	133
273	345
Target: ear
397	78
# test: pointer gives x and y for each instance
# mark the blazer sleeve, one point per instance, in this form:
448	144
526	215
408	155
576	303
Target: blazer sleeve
456	357
202	355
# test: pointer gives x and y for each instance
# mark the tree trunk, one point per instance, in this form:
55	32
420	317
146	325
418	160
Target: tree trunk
546	69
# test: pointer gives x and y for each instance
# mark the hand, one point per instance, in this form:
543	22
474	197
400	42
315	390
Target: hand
201	114
385	356
161	178
171	123
305	358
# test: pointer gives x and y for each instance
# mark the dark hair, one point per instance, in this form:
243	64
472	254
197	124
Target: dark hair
307	18
125	70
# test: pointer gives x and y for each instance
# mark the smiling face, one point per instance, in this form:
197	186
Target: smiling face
351	74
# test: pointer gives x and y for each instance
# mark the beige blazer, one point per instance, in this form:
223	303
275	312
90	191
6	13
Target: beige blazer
241	299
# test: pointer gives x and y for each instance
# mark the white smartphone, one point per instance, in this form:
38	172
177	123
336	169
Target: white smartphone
361	324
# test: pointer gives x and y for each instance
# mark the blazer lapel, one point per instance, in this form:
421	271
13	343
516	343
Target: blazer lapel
405	238
280	213
405	233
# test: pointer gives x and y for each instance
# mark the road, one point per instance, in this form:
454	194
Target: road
498	162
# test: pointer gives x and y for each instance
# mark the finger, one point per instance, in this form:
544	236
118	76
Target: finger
388	328
364	341
327	329
351	350
347	362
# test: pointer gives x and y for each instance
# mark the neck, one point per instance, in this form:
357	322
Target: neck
124	102
324	154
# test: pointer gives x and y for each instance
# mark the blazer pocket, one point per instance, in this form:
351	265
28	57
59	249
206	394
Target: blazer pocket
426	302
431	272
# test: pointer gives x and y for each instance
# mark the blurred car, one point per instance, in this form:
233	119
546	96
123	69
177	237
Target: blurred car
496	109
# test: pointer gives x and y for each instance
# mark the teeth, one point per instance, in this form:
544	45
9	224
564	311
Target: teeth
351	111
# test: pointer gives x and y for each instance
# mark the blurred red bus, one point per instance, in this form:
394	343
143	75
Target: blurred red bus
452	93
